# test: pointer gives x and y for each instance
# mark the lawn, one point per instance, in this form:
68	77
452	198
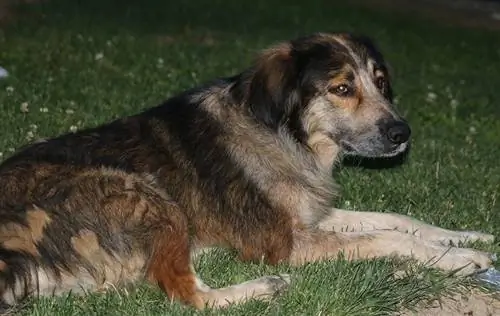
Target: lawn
75	66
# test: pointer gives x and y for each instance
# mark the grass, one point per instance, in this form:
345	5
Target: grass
74	66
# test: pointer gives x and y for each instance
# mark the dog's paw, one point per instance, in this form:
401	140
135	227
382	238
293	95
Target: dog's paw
277	284
263	289
463	261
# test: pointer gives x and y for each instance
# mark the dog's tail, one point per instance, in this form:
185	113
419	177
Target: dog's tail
17	277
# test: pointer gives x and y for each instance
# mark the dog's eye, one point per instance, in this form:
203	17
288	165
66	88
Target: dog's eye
342	90
381	83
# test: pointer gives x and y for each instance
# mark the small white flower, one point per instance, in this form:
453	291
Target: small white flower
160	61
24	107
30	135
431	97
34	127
3	73
468	139
73	128
9	89
11	149
381	198
472	130
99	56
449	94
44	110
70	111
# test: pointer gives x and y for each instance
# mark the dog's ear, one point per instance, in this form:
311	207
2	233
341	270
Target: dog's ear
271	87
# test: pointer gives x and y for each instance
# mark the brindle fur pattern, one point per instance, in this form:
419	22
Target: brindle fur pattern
242	162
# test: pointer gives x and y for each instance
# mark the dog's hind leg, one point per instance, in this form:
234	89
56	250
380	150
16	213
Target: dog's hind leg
103	228
352	221
170	267
319	245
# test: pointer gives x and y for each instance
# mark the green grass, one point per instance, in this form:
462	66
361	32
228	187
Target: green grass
78	66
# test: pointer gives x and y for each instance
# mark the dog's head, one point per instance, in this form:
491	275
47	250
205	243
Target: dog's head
331	91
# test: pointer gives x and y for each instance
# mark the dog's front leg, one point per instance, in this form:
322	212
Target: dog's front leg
343	220
314	245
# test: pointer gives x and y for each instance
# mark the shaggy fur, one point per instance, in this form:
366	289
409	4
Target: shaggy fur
242	163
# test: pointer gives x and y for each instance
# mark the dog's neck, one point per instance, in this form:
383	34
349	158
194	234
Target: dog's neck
325	149
320	145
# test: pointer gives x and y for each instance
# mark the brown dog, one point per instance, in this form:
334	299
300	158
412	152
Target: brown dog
243	162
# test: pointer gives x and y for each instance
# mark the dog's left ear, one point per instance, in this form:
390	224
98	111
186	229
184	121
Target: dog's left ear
271	90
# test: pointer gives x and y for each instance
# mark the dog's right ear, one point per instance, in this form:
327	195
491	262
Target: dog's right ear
269	89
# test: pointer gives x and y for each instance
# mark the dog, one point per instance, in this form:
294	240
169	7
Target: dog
242	162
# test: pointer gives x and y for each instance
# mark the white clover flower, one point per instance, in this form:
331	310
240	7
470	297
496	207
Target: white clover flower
24	107
3	73
449	94
431	97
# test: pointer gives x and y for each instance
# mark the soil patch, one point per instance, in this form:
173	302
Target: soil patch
473	302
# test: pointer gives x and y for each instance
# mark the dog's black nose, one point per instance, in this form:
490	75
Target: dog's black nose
398	132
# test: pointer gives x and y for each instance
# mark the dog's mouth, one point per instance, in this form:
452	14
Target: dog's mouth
351	149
